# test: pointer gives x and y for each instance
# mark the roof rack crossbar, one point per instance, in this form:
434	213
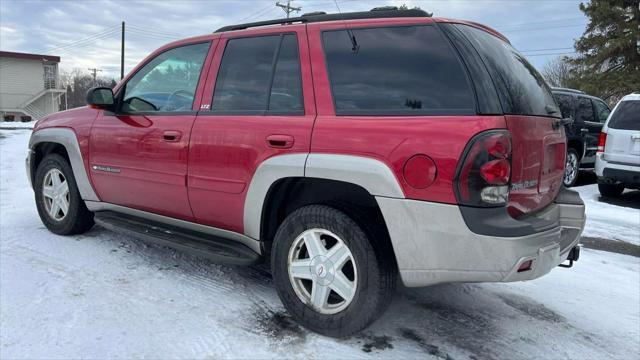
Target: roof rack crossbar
309	18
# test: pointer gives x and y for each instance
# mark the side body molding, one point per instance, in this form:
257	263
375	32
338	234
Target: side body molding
68	139
371	174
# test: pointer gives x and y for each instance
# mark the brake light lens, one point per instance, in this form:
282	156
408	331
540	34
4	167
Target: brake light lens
602	140
484	173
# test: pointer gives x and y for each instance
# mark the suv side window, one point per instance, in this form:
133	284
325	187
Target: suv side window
258	75
602	111
565	103
404	70
521	89
584	110
167	83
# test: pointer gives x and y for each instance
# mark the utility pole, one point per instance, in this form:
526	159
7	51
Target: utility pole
288	8
94	71
122	54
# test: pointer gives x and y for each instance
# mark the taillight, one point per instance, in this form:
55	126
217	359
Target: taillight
602	140
485	170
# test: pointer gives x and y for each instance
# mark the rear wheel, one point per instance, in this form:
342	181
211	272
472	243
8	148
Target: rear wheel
572	168
327	274
58	200
610	190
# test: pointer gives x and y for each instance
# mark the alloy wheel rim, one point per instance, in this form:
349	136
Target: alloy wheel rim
322	271
55	191
571	168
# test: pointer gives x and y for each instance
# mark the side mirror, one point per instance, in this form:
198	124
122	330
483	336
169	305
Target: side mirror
100	98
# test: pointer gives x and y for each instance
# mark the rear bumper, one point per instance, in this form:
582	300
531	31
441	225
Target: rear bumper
615	173
433	243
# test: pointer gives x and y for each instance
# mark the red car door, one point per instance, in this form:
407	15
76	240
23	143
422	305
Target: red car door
259	104
138	154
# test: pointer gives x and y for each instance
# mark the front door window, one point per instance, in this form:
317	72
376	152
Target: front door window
167	83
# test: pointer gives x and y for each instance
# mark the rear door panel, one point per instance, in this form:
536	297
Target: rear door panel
226	149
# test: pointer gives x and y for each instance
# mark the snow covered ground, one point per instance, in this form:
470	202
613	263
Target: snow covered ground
10	125
102	295
608	221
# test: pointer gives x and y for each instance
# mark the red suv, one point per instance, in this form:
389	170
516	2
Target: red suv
347	149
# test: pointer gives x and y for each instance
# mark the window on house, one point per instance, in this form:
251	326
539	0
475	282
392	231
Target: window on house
49	76
259	75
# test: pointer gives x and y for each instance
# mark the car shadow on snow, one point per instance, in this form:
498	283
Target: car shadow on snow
443	321
630	199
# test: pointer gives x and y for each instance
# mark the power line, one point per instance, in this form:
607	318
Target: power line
151	35
566	53
89	38
543	28
548	49
537	22
254	14
156	32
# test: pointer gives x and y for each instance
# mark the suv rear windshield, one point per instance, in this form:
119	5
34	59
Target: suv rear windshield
626	116
521	89
404	70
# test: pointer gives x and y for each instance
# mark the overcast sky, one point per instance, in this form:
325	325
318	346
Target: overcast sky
86	33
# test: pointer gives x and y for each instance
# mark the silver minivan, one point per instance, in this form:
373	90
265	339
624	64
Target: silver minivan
618	154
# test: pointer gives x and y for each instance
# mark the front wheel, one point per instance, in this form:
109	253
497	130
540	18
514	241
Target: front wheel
327	273
58	200
572	168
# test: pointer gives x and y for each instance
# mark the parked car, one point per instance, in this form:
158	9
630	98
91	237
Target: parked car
618	157
346	148
589	114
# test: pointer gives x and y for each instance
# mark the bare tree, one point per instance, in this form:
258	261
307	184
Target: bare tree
558	72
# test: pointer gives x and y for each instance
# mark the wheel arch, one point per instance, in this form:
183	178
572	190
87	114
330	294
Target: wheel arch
350	183
289	194
62	141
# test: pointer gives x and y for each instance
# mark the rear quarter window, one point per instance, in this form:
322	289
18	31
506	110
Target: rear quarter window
521	89
406	70
626	116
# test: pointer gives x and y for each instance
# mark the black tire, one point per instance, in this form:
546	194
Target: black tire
78	219
610	190
573	158
376	277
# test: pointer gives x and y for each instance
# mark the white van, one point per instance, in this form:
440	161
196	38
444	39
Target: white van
618	155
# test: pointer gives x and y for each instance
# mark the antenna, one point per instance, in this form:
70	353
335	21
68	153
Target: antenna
355	47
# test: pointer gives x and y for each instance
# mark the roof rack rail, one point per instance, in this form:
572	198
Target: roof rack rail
575	91
317	17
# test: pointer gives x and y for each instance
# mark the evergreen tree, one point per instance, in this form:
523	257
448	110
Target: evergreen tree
608	61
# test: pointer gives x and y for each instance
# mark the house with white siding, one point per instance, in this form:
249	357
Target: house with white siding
29	86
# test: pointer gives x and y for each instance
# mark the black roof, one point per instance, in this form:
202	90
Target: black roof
561	89
320	17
